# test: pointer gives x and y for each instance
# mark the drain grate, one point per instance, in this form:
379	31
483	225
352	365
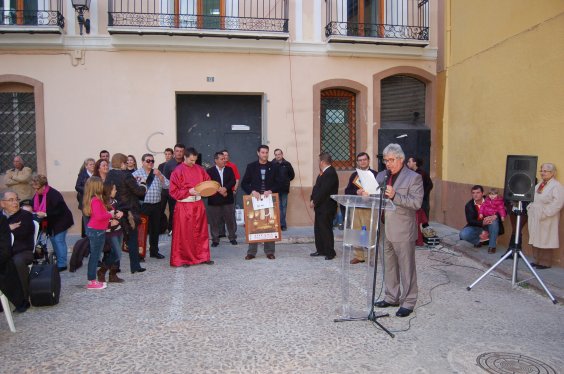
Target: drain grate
506	363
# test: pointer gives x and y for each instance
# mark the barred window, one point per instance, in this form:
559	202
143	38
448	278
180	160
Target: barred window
17	129
338	127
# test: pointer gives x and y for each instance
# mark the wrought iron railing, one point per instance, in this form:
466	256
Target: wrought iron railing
224	15
33	13
388	19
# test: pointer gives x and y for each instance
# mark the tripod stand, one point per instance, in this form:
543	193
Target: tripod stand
369	202
516	252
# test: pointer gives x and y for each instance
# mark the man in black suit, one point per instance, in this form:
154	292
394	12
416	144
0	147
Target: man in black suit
220	205
327	184
260	179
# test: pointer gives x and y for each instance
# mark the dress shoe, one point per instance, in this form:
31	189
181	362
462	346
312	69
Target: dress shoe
542	267
215	244
315	254
234	242
62	268
249	257
140	270
22	308
284	228
355	261
210	262
158	255
329	257
270	257
403	312
185	266
384	304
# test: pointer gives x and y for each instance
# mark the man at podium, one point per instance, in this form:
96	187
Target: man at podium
361	216
405	188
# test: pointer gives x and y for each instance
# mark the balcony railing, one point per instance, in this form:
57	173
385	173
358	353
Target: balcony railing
32	16
378	21
234	18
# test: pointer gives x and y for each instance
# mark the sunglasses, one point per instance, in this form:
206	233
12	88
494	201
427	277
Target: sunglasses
150	161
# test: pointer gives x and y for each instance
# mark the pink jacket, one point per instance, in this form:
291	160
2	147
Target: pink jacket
491	207
99	216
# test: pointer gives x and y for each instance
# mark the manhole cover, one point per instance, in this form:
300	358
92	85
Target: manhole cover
501	362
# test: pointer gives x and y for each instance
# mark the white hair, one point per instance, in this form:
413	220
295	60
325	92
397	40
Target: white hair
394	150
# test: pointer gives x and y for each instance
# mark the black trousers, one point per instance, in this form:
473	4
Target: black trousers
323	231
220	216
153	212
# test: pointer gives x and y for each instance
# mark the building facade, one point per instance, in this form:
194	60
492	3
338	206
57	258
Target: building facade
500	93
306	76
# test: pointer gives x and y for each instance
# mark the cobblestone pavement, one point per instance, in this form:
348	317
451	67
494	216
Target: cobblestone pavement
276	316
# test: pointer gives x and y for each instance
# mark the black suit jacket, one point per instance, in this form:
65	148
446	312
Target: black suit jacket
252	179
23	235
326	185
228	182
128	191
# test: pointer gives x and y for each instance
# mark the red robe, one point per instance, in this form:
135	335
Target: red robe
190	238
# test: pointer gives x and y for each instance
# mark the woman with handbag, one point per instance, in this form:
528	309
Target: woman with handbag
48	203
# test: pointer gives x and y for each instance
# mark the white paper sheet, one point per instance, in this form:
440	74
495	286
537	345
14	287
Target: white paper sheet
264	202
368	181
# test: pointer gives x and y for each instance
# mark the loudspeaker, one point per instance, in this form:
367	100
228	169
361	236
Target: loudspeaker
520	173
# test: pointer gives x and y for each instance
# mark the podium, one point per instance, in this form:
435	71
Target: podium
358	282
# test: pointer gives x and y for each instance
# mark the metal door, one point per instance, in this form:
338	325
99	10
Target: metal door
211	123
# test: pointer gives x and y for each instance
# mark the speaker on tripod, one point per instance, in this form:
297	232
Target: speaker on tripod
520	172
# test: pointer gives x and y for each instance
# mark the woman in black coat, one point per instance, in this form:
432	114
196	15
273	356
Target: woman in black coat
49	203
86	171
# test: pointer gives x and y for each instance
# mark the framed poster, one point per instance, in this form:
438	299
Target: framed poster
262	225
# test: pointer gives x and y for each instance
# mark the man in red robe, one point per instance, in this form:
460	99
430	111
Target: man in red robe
190	239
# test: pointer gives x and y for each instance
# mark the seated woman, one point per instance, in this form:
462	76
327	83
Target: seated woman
48	203
23	231
9	281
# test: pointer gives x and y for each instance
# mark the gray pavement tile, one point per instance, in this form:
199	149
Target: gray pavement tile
265	316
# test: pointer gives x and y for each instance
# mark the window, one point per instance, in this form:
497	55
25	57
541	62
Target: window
403	101
338	126
17	129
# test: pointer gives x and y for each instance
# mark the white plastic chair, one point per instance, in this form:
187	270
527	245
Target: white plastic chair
6	306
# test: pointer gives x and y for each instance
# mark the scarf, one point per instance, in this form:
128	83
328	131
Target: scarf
41	207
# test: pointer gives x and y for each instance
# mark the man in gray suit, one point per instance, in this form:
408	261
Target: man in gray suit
405	188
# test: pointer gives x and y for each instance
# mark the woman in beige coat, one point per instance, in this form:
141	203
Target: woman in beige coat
544	216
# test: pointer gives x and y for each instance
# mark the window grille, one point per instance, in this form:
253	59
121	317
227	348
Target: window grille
17	129
338	127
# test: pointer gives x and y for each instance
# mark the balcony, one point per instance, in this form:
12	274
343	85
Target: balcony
40	16
394	22
256	19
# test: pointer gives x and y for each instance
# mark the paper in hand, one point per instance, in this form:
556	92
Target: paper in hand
368	181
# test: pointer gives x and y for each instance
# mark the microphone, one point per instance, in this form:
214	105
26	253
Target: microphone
385	181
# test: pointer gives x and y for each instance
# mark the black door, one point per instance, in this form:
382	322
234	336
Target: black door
414	142
211	123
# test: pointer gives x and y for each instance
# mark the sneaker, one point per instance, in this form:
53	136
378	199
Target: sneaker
95	285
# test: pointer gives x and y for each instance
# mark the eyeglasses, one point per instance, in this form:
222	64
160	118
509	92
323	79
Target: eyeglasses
388	160
12	200
546	171
150	161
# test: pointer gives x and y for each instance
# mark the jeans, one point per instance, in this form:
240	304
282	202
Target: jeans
133	248
59	242
96	239
472	233
115	252
283	196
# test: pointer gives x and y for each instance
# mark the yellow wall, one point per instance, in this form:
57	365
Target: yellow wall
504	87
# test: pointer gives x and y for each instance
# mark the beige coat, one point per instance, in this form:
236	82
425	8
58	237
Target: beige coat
544	215
18	181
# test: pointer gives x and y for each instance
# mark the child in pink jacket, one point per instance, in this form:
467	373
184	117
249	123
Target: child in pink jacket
493	204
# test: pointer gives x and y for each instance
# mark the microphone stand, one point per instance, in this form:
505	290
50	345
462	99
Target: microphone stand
372	316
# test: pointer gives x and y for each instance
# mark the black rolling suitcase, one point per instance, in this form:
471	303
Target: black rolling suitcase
44	285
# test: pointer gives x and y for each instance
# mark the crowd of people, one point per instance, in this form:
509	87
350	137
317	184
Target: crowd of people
121	201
